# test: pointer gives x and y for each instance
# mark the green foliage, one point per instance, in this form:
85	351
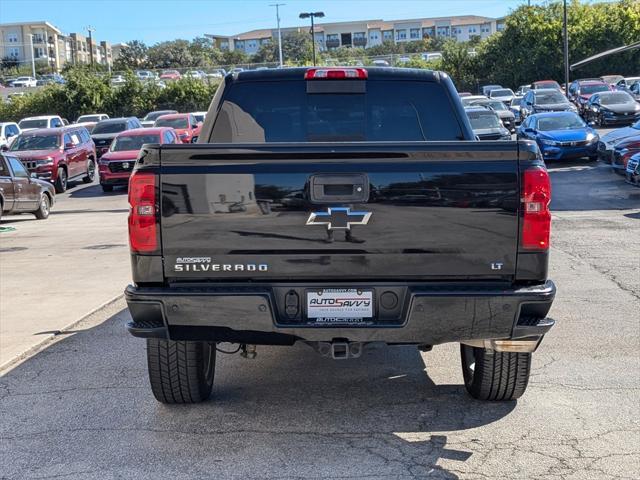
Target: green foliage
9	63
457	62
84	92
133	56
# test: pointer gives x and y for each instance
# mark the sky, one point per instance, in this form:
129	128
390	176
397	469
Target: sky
157	20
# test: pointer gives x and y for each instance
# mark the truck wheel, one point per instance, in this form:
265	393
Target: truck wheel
106	188
44	208
179	371
61	181
490	375
91	172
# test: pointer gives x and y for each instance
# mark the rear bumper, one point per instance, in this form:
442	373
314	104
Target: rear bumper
431	314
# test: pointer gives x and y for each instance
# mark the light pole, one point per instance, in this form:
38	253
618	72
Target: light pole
33	57
90	29
312	15
278	5
566	49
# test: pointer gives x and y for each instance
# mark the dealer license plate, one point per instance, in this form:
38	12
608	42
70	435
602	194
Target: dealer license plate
329	305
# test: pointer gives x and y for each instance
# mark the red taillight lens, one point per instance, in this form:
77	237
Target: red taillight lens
536	195
336	74
143	218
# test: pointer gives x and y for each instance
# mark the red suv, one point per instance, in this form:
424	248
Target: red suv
580	92
185	124
116	165
58	155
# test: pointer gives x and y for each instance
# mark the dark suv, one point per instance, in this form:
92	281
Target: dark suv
105	131
544	100
580	92
57	155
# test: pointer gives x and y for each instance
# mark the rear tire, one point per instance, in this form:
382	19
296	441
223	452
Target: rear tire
44	208
106	188
61	181
490	375
180	371
91	172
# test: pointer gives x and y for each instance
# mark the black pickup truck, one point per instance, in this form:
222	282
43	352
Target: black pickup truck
339	207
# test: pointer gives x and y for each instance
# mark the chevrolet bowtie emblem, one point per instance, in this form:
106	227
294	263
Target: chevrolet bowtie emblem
338	218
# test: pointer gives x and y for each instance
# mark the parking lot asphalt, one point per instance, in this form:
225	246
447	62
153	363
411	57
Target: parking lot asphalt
82	408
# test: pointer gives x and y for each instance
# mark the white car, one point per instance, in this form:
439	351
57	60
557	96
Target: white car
503	94
24	82
145	75
43	121
8	133
200	116
466	101
193	74
429	57
92	118
117	81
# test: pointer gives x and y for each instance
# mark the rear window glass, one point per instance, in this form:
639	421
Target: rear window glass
133	142
40	123
110	127
284	112
172	122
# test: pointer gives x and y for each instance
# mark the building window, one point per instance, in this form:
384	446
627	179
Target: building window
401	34
38	52
387	35
414	33
12	37
14	52
37	38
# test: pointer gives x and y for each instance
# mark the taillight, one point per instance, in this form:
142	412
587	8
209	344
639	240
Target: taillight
336	73
143	218
536	217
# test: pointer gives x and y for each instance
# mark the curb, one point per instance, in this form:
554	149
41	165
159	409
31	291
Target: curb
52	338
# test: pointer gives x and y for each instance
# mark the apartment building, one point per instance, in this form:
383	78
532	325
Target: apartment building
368	33
48	43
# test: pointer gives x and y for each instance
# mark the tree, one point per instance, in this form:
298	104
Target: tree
8	63
296	50
171	54
133	56
457	62
204	53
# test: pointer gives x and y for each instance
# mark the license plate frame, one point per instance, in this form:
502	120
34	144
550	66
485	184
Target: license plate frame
340	306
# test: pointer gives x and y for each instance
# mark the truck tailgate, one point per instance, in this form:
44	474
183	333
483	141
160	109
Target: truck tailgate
418	210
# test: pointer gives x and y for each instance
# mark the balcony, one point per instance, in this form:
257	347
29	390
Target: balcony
359	41
332	42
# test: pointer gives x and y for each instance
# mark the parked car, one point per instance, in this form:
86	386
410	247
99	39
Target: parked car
507	117
88	125
634	90
544	84
194	74
145	75
487	88
8	132
92	117
237	70
43	121
622	152
380	63
170	75
151	117
218	73
545	100
625	82
24	82
469	99
486	124
581	90
57	155
20	193
185	125
609	141
514	107
105	131
54	78
611	79
522	89
115	166
560	135
430	57
503	94
464	94
633	170
117	80
200	116
612	108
